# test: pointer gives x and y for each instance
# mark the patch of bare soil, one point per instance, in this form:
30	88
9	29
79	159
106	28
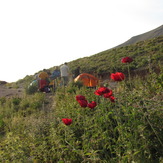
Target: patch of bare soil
10	92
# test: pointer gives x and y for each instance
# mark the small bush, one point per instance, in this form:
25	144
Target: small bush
31	89
2	125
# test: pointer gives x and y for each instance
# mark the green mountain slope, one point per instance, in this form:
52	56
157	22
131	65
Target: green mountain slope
144	53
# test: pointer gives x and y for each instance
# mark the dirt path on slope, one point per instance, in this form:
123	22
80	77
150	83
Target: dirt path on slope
10	92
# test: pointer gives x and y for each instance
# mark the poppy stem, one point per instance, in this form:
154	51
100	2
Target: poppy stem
129	77
68	142
154	131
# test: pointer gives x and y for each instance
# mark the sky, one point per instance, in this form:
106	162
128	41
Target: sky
38	34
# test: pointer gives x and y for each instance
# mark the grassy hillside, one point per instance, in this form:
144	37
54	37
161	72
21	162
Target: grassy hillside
127	129
124	126
106	62
145	53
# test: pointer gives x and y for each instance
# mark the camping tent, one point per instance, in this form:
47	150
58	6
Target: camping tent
87	80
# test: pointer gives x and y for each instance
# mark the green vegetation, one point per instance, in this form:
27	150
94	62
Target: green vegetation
127	130
146	54
106	62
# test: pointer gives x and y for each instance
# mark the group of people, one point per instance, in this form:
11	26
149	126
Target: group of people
59	77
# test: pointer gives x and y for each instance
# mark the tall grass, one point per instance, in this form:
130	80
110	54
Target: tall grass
128	130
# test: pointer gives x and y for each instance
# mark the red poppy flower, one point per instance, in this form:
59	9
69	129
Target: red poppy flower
83	103
118	76
92	105
107	95
112	98
66	121
80	97
101	91
98	92
126	60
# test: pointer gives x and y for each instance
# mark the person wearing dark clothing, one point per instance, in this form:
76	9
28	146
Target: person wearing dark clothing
56	73
76	72
55	77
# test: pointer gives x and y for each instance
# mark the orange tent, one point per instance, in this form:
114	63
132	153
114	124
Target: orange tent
87	80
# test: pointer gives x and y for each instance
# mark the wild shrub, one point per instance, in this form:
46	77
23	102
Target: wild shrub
31	89
2	125
14	149
2	100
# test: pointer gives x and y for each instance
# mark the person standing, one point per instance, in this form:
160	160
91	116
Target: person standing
76	72
55	74
55	77
64	69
